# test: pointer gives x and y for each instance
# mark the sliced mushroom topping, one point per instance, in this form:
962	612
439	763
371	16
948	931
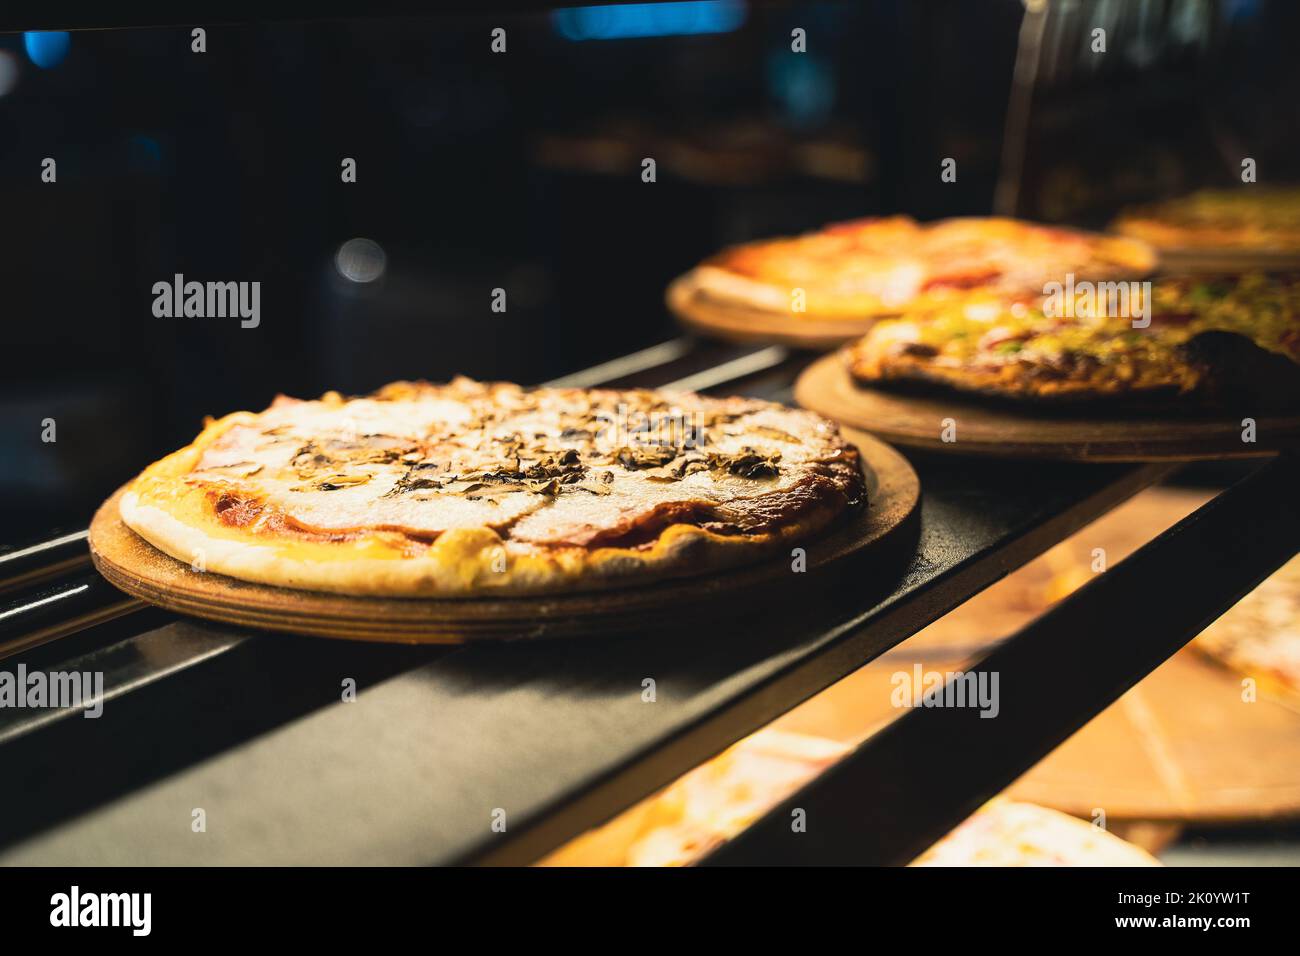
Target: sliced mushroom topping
334	482
645	456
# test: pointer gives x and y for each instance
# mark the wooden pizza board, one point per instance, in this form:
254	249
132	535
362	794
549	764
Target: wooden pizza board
721	319
918	421
884	529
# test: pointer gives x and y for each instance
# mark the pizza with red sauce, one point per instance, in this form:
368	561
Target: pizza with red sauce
886	266
473	488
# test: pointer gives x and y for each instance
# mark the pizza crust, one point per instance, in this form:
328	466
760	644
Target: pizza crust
172	507
726	286
459	564
1008	381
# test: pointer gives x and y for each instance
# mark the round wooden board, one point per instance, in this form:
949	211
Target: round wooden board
141	570
720	319
917	421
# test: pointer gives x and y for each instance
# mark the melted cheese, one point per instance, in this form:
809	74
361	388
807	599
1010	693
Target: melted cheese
895	263
541	467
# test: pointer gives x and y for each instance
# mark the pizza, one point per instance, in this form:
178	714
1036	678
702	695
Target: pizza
711	804
1259	637
472	488
1011	833
1246	219
707	806
716	801
1210	341
885	266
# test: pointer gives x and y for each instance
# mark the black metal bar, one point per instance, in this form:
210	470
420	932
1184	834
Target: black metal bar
920	776
171	698
41	560
37	615
624	365
129	665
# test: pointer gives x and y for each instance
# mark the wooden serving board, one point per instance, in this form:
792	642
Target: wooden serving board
141	570
721	319
918	421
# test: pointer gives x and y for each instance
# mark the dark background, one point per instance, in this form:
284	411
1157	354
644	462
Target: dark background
522	171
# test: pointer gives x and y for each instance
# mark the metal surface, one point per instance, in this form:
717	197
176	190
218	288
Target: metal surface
28	564
44	612
624	365
1006	194
251	728
745	365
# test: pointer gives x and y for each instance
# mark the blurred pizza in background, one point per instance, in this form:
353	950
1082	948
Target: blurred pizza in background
1010	833
700	811
1260	636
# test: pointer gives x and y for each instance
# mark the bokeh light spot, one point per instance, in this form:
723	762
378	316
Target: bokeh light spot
9	70
46	49
361	260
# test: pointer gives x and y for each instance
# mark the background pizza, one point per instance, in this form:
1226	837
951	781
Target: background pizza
703	809
471	488
1011	833
1210	340
1247	219
1260	636
886	266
